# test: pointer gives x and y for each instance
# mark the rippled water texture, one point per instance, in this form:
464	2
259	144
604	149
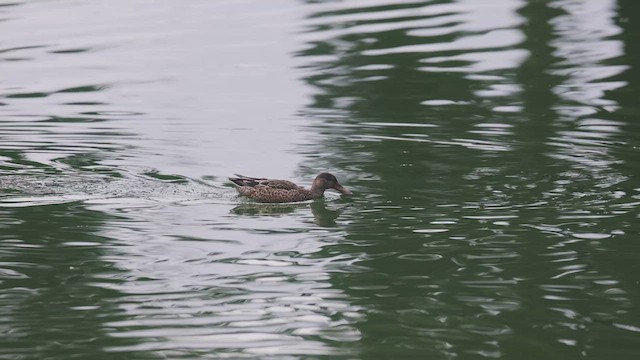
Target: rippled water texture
492	147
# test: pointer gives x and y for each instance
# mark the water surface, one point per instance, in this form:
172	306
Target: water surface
491	146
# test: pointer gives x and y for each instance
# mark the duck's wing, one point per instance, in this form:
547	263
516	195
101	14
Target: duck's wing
242	180
280	184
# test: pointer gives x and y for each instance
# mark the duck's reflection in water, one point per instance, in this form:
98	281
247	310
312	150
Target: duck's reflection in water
323	216
266	209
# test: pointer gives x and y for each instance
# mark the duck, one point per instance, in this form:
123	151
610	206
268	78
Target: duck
284	191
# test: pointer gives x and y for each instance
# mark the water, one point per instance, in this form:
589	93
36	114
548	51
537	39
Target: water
491	146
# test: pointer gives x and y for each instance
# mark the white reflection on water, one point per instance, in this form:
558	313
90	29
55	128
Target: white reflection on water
202	278
168	81
585	138
481	61
585	45
490	39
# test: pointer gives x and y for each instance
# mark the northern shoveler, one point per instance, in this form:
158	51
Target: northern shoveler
281	191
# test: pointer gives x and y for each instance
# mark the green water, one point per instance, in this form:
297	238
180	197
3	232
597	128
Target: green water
492	148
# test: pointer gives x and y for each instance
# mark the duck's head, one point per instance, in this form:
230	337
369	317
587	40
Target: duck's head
326	181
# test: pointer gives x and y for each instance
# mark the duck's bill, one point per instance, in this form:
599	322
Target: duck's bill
342	190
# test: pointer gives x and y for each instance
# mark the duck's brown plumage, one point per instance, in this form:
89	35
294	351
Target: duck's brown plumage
280	191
